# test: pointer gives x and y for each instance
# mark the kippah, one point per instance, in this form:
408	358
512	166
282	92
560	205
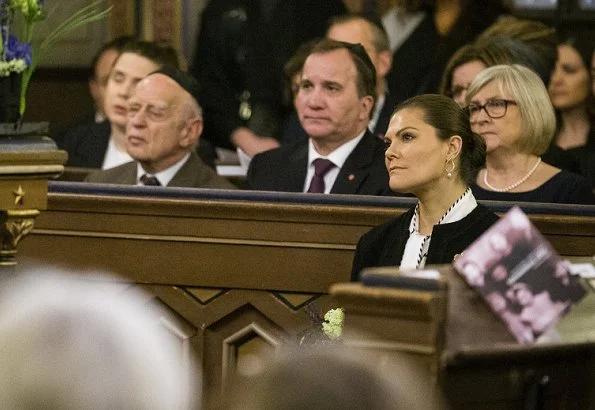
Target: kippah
185	80
358	50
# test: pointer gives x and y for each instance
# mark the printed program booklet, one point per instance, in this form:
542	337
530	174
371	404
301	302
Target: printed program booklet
521	277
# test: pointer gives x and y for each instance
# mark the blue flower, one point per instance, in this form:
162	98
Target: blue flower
15	50
16	56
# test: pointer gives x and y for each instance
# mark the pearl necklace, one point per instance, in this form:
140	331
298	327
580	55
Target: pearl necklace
516	184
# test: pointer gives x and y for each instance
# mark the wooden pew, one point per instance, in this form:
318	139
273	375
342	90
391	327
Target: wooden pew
233	269
77	174
470	359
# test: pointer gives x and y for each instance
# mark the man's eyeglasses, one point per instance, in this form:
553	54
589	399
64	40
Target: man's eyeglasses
494	108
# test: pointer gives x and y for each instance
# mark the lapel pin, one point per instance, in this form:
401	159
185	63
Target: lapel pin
351	177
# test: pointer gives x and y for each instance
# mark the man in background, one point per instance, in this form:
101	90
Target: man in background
102	64
372	36
358	29
103	145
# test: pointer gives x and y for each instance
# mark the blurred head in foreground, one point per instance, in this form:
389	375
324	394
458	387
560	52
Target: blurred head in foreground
68	343
324	378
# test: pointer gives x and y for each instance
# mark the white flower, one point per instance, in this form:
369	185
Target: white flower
18	65
335	316
333	325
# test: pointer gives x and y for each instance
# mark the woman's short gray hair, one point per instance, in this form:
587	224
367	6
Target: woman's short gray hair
538	120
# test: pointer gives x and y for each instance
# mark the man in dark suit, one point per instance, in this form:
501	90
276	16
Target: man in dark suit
163	128
334	104
370	33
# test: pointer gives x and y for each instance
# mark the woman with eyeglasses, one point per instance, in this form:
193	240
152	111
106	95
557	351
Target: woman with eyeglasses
431	153
473	58
509	106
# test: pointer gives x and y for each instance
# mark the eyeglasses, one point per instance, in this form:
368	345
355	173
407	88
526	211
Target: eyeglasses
493	108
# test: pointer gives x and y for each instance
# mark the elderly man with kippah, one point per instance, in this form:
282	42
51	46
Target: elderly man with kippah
164	125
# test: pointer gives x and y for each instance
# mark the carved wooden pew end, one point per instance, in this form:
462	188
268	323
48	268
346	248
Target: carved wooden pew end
399	320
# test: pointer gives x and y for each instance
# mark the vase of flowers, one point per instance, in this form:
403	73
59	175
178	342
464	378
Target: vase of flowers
19	53
10	97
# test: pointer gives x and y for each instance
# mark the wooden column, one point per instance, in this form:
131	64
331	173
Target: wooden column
27	160
122	18
162	21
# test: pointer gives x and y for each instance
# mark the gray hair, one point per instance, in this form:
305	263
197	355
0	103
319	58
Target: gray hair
80	343
538	120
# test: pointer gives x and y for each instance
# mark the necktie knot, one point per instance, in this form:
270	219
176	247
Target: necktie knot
149	180
321	167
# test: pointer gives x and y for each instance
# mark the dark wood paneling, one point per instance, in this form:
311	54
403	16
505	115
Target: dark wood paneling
230	270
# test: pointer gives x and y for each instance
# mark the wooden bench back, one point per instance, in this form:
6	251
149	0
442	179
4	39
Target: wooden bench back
234	270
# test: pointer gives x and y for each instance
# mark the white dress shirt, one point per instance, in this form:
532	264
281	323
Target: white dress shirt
376	114
165	176
418	244
114	157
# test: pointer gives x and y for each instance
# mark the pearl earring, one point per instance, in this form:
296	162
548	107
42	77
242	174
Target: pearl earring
449	171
